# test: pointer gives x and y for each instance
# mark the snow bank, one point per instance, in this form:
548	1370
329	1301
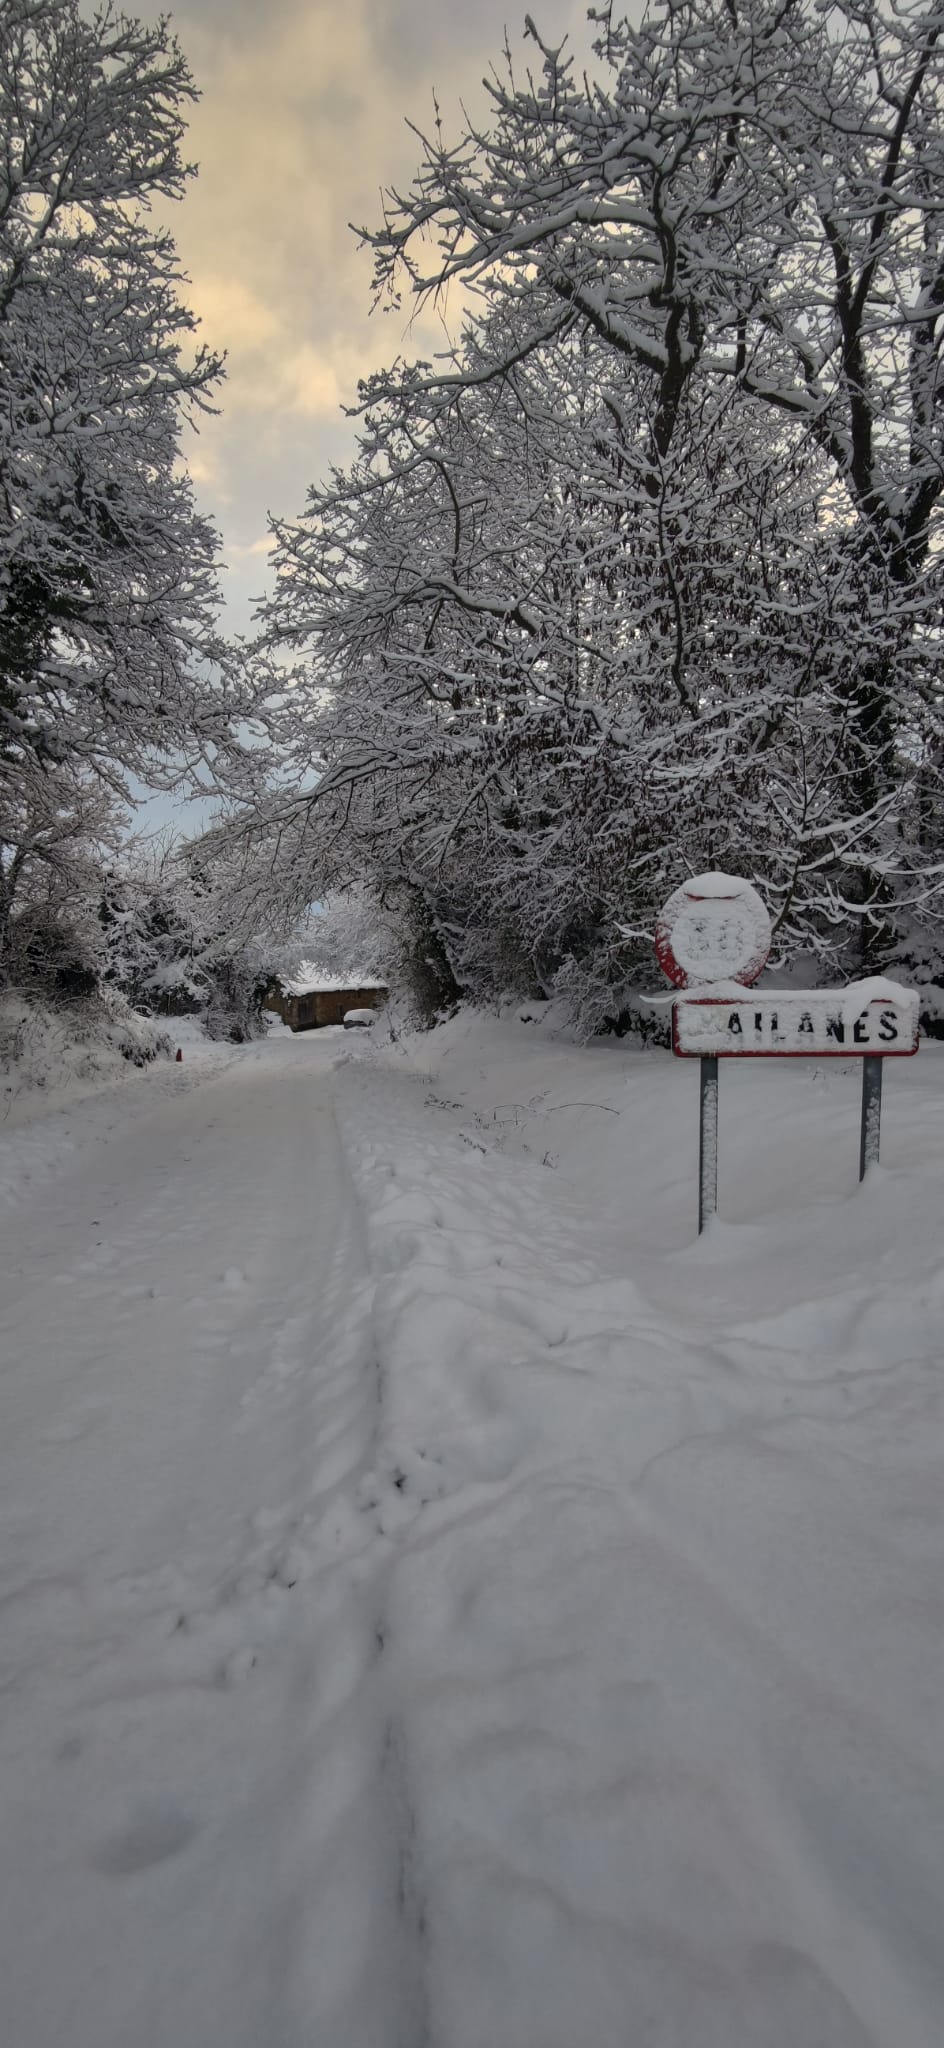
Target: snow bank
47	1054
63	1073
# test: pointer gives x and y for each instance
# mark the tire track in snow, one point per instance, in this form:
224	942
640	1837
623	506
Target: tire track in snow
413	2020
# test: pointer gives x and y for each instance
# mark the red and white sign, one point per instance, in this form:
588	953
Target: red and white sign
714	938
856	1022
714	928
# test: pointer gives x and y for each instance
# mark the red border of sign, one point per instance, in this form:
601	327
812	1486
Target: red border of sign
841	1052
673	969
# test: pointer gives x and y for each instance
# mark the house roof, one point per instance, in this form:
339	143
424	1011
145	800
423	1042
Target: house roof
314	981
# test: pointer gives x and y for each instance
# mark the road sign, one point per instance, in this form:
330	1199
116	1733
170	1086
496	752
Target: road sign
825	1023
714	928
714	935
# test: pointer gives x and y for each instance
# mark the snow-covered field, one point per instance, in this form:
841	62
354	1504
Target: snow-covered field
444	1604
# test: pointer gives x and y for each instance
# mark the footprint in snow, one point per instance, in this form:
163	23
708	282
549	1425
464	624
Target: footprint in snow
155	1831
238	1666
70	1428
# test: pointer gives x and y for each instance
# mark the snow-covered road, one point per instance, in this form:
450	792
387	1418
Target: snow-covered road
441	1604
188	1395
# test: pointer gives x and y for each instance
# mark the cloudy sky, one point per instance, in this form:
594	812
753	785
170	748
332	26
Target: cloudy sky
302	122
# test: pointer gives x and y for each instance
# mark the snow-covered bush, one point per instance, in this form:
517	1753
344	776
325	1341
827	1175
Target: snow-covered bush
87	1042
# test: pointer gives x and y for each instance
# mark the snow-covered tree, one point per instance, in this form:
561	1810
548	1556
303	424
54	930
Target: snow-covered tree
547	694
56	830
107	579
111	664
744	189
744	195
644	576
171	944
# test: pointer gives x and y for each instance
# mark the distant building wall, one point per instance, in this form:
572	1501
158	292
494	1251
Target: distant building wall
275	999
317	1007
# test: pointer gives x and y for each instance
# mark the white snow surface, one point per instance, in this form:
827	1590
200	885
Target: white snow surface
64	1094
853	996
445	1604
716	883
878	988
52	1056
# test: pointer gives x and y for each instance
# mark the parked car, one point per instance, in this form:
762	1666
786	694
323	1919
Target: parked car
357	1020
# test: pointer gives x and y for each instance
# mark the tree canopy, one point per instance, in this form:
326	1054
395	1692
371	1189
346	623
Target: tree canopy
644	575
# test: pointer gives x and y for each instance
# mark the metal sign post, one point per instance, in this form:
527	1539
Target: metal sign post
871	1128
707	1140
713	929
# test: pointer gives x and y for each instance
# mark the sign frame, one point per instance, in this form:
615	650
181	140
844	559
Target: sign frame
804	1001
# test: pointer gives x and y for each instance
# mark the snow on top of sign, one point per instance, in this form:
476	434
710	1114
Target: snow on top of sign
716	884
876	988
712	992
703	992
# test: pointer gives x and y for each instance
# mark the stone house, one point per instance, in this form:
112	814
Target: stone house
311	1002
